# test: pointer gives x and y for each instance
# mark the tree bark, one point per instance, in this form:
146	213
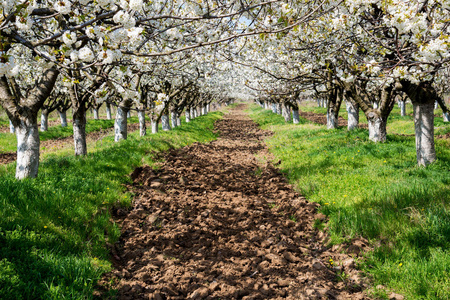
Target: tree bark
424	129
95	113
377	127
188	116
108	111
12	129
129	114
352	115
178	120
44	120
63	118
173	119
446	116
274	108
279	109
402	105
142	125
154	125
192	113
120	124
27	149
295	116
286	112
79	125
165	122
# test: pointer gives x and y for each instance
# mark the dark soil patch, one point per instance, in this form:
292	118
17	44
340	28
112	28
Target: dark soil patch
214	222
57	144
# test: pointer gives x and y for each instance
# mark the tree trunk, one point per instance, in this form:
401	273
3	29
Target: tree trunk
11	127
436	105
207	108
188	116
173	119
27	149
129	114
375	104
446	116
295	116
274	108
79	129
192	113
44	120
279	109
154	126
142	126
108	111
331	120
120	124
286	112
352	115
63	118
402	105
377	127
178	120
165	122
424	128
95	113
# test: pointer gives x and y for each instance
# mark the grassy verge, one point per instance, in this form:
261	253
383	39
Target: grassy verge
53	229
375	191
8	141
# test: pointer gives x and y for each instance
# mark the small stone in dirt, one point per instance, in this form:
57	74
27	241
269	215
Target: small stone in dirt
317	265
283	282
349	263
183	180
394	296
156	184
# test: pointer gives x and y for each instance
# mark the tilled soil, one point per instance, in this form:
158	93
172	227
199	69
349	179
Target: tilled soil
218	221
57	144
322	119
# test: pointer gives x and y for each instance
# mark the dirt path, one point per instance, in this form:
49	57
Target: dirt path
217	221
57	144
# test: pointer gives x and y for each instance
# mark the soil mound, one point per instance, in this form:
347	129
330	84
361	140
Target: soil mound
217	221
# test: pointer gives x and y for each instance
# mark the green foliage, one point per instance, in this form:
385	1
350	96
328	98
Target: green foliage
53	229
378	192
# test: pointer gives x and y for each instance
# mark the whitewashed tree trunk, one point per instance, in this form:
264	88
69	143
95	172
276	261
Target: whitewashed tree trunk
424	128
165	122
142	125
274	108
286	112
120	124
178	121
11	127
27	150
79	136
295	116
279	109
377	128
331	120
192	113
446	117
375	104
207	108
352	115
436	105
129	114
173	119
95	113
44	120
154	126
188	116
63	118
108	111
402	105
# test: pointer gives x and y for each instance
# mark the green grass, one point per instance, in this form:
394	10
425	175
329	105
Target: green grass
8	141
375	191
53	229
